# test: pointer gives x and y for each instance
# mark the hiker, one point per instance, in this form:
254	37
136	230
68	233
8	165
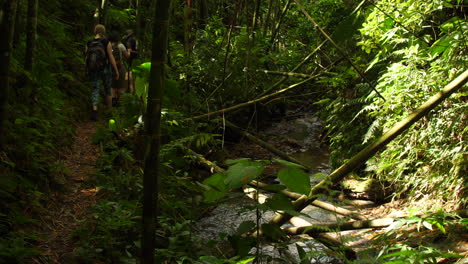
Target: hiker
132	49
99	60
120	52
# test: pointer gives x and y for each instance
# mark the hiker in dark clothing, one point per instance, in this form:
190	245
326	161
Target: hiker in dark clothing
132	49
120	54
99	60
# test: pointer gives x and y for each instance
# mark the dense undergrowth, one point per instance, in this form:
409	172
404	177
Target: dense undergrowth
43	106
408	51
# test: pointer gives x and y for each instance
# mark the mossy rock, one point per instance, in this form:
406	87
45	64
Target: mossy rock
370	188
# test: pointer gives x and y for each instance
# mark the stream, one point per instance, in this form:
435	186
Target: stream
299	138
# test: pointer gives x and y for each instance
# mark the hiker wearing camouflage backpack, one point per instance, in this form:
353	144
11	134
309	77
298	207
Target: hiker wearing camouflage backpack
99	65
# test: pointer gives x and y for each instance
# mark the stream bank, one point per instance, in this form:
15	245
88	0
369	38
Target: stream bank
301	139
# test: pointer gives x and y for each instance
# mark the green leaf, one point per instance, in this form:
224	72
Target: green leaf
217	187
279	202
440	46
242	173
245	227
272	231
245	261
230	162
289	164
295	179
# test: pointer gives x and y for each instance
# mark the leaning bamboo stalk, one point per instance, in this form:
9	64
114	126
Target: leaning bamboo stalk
306	59
251	102
369	151
337	47
289	74
264	144
317	203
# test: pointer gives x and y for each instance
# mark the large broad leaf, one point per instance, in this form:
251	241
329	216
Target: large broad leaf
295	179
216	187
245	227
242	173
279	202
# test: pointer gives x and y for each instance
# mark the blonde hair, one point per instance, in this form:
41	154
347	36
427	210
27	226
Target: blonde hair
100	29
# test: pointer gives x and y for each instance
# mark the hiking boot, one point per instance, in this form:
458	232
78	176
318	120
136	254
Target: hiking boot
94	115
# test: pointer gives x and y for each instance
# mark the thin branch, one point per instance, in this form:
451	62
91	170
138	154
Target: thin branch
337	47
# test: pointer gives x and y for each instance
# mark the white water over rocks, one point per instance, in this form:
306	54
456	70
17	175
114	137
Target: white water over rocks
227	217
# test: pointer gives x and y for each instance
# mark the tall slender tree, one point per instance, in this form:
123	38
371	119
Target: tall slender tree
31	31
7	26
153	130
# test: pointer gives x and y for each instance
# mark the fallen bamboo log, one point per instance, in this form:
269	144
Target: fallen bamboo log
326	239
338	227
318	203
369	151
299	229
213	168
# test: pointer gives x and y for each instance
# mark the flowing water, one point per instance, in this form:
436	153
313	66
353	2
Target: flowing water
305	133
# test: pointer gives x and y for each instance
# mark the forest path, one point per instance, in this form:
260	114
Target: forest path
66	209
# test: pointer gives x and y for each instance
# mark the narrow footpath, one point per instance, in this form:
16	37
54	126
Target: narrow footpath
67	209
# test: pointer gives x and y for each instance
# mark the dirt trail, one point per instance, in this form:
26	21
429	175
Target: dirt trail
65	210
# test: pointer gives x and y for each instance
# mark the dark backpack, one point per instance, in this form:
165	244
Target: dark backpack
117	53
95	56
131	43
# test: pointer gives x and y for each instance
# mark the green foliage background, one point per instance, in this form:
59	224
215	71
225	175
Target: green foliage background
408	51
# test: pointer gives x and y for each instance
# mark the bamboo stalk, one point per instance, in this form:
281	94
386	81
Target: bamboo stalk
338	227
337	47
251	102
317	203
213	168
282	80
369	151
289	74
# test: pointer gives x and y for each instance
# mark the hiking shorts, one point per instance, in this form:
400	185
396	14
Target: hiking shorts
121	83
99	80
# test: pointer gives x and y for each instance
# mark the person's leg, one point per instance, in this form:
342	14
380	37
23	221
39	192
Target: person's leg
95	97
108	86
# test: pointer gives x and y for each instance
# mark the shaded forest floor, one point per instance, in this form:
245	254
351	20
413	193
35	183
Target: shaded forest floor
66	210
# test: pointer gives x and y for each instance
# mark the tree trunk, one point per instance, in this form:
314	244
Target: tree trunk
278	25
188	26
31	32
7	26
267	19
103	11
369	151
152	175
203	10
